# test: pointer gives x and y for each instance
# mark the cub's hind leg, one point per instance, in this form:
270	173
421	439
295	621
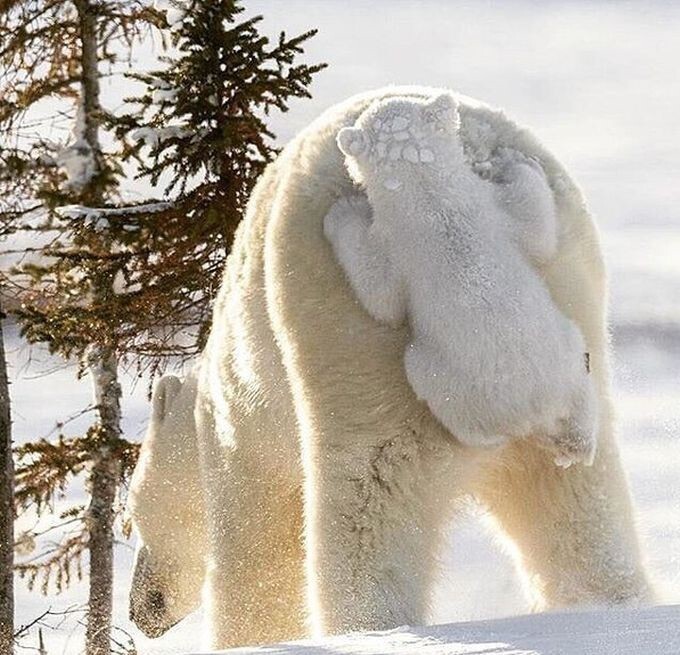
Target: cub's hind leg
465	418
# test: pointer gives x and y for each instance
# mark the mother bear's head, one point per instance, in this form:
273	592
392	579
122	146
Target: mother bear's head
167	510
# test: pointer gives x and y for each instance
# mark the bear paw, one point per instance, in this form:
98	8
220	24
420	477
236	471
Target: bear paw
572	445
345	211
508	163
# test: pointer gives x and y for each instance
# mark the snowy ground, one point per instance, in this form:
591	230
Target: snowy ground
628	632
597	81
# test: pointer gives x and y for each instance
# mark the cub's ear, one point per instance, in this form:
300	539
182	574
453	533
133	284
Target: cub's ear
444	108
164	393
352	141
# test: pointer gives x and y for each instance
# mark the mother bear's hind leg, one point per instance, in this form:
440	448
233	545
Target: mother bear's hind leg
574	528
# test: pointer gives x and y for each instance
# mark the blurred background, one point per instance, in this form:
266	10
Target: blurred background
598	83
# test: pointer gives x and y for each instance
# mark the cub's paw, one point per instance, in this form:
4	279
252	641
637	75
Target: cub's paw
572	444
507	164
345	211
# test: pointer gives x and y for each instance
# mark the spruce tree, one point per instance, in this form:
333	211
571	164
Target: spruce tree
201	127
56	49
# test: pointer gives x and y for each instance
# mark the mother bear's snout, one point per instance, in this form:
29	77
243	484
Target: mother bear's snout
148	604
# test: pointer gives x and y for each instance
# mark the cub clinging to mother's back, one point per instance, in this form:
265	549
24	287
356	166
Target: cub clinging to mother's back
457	257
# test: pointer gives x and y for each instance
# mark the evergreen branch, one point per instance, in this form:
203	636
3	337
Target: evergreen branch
23	38
56	564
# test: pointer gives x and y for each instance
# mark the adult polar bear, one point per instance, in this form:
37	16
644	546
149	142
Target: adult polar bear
328	486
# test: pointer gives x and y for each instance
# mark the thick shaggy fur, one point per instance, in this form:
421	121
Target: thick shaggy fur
166	501
489	352
328	485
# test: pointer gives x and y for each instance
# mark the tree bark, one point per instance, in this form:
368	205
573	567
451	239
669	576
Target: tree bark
91	106
103	368
103	487
6	510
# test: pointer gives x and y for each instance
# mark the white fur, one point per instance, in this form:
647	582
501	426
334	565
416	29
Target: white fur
167	507
329	486
489	352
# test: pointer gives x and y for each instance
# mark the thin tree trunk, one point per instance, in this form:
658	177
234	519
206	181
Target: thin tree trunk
6	510
103	487
90	104
103	367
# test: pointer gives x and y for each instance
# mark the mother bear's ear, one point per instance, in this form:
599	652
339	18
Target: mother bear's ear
352	141
164	393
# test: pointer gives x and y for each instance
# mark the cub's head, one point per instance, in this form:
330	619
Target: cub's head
398	140
167	510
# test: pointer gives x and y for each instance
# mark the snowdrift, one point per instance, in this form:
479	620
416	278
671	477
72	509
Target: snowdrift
651	631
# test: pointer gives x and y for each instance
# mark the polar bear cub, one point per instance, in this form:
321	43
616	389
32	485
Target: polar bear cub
459	258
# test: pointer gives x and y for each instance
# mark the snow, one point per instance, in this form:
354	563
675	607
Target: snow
159	96
99	216
77	159
175	14
619	632
78	163
89	213
152	136
597	82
